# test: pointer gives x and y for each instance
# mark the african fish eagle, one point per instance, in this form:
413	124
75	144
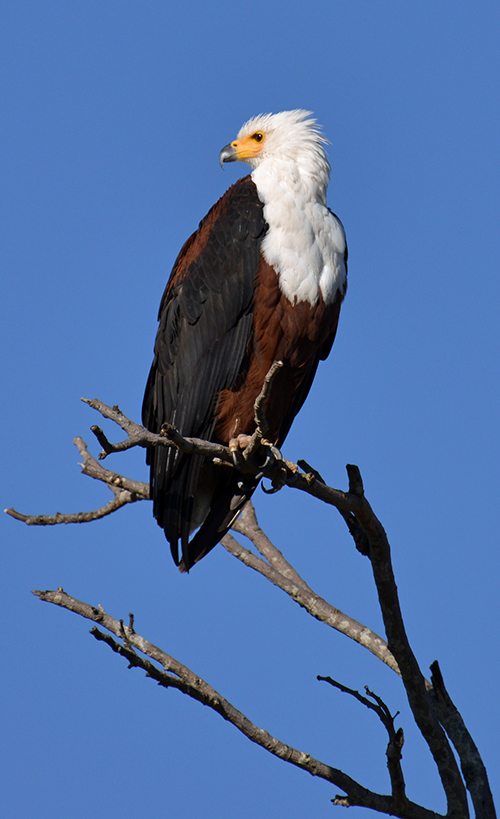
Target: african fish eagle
261	280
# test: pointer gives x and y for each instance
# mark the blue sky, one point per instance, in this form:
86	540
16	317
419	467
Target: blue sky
114	115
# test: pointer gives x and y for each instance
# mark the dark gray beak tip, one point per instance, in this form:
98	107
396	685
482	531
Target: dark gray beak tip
228	154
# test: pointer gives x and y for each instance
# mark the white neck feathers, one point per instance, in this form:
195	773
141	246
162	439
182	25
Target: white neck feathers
305	243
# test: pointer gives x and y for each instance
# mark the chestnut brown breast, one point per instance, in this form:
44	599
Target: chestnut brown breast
299	335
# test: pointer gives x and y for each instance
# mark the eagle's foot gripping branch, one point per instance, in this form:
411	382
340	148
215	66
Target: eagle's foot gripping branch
260	458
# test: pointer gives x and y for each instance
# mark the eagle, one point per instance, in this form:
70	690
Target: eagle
261	280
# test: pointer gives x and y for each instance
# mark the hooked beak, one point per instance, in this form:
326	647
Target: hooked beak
228	154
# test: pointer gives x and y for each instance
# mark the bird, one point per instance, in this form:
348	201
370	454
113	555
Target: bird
262	279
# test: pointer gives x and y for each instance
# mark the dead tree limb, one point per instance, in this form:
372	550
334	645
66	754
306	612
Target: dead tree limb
174	674
414	681
472	765
122	497
286	472
396	738
298	590
433	710
125	491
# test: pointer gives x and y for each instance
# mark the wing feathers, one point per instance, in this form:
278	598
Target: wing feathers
205	325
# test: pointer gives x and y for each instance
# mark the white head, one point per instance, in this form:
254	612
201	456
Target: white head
288	138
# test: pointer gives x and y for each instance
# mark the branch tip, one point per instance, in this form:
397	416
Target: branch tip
355	480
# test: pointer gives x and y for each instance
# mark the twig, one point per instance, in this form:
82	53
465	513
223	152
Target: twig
94	469
261	425
122	497
124	489
396	738
378	705
140	436
260	417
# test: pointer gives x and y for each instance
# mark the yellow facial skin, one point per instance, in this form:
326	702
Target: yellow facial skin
249	146
242	150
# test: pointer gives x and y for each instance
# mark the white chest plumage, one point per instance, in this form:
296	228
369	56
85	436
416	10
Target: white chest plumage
305	242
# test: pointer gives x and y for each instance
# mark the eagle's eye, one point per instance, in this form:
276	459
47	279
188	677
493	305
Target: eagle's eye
258	137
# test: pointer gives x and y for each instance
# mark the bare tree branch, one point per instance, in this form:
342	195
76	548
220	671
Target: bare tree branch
280	572
472	765
246	524
278	470
414	681
121	498
139	436
124	489
289	581
396	738
176	675
94	469
260	417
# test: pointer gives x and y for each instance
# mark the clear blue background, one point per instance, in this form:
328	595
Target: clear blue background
113	115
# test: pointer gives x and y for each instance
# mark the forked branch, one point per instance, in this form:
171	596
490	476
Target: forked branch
396	738
174	674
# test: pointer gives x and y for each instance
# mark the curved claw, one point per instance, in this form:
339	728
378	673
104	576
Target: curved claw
271	456
264	466
272	490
